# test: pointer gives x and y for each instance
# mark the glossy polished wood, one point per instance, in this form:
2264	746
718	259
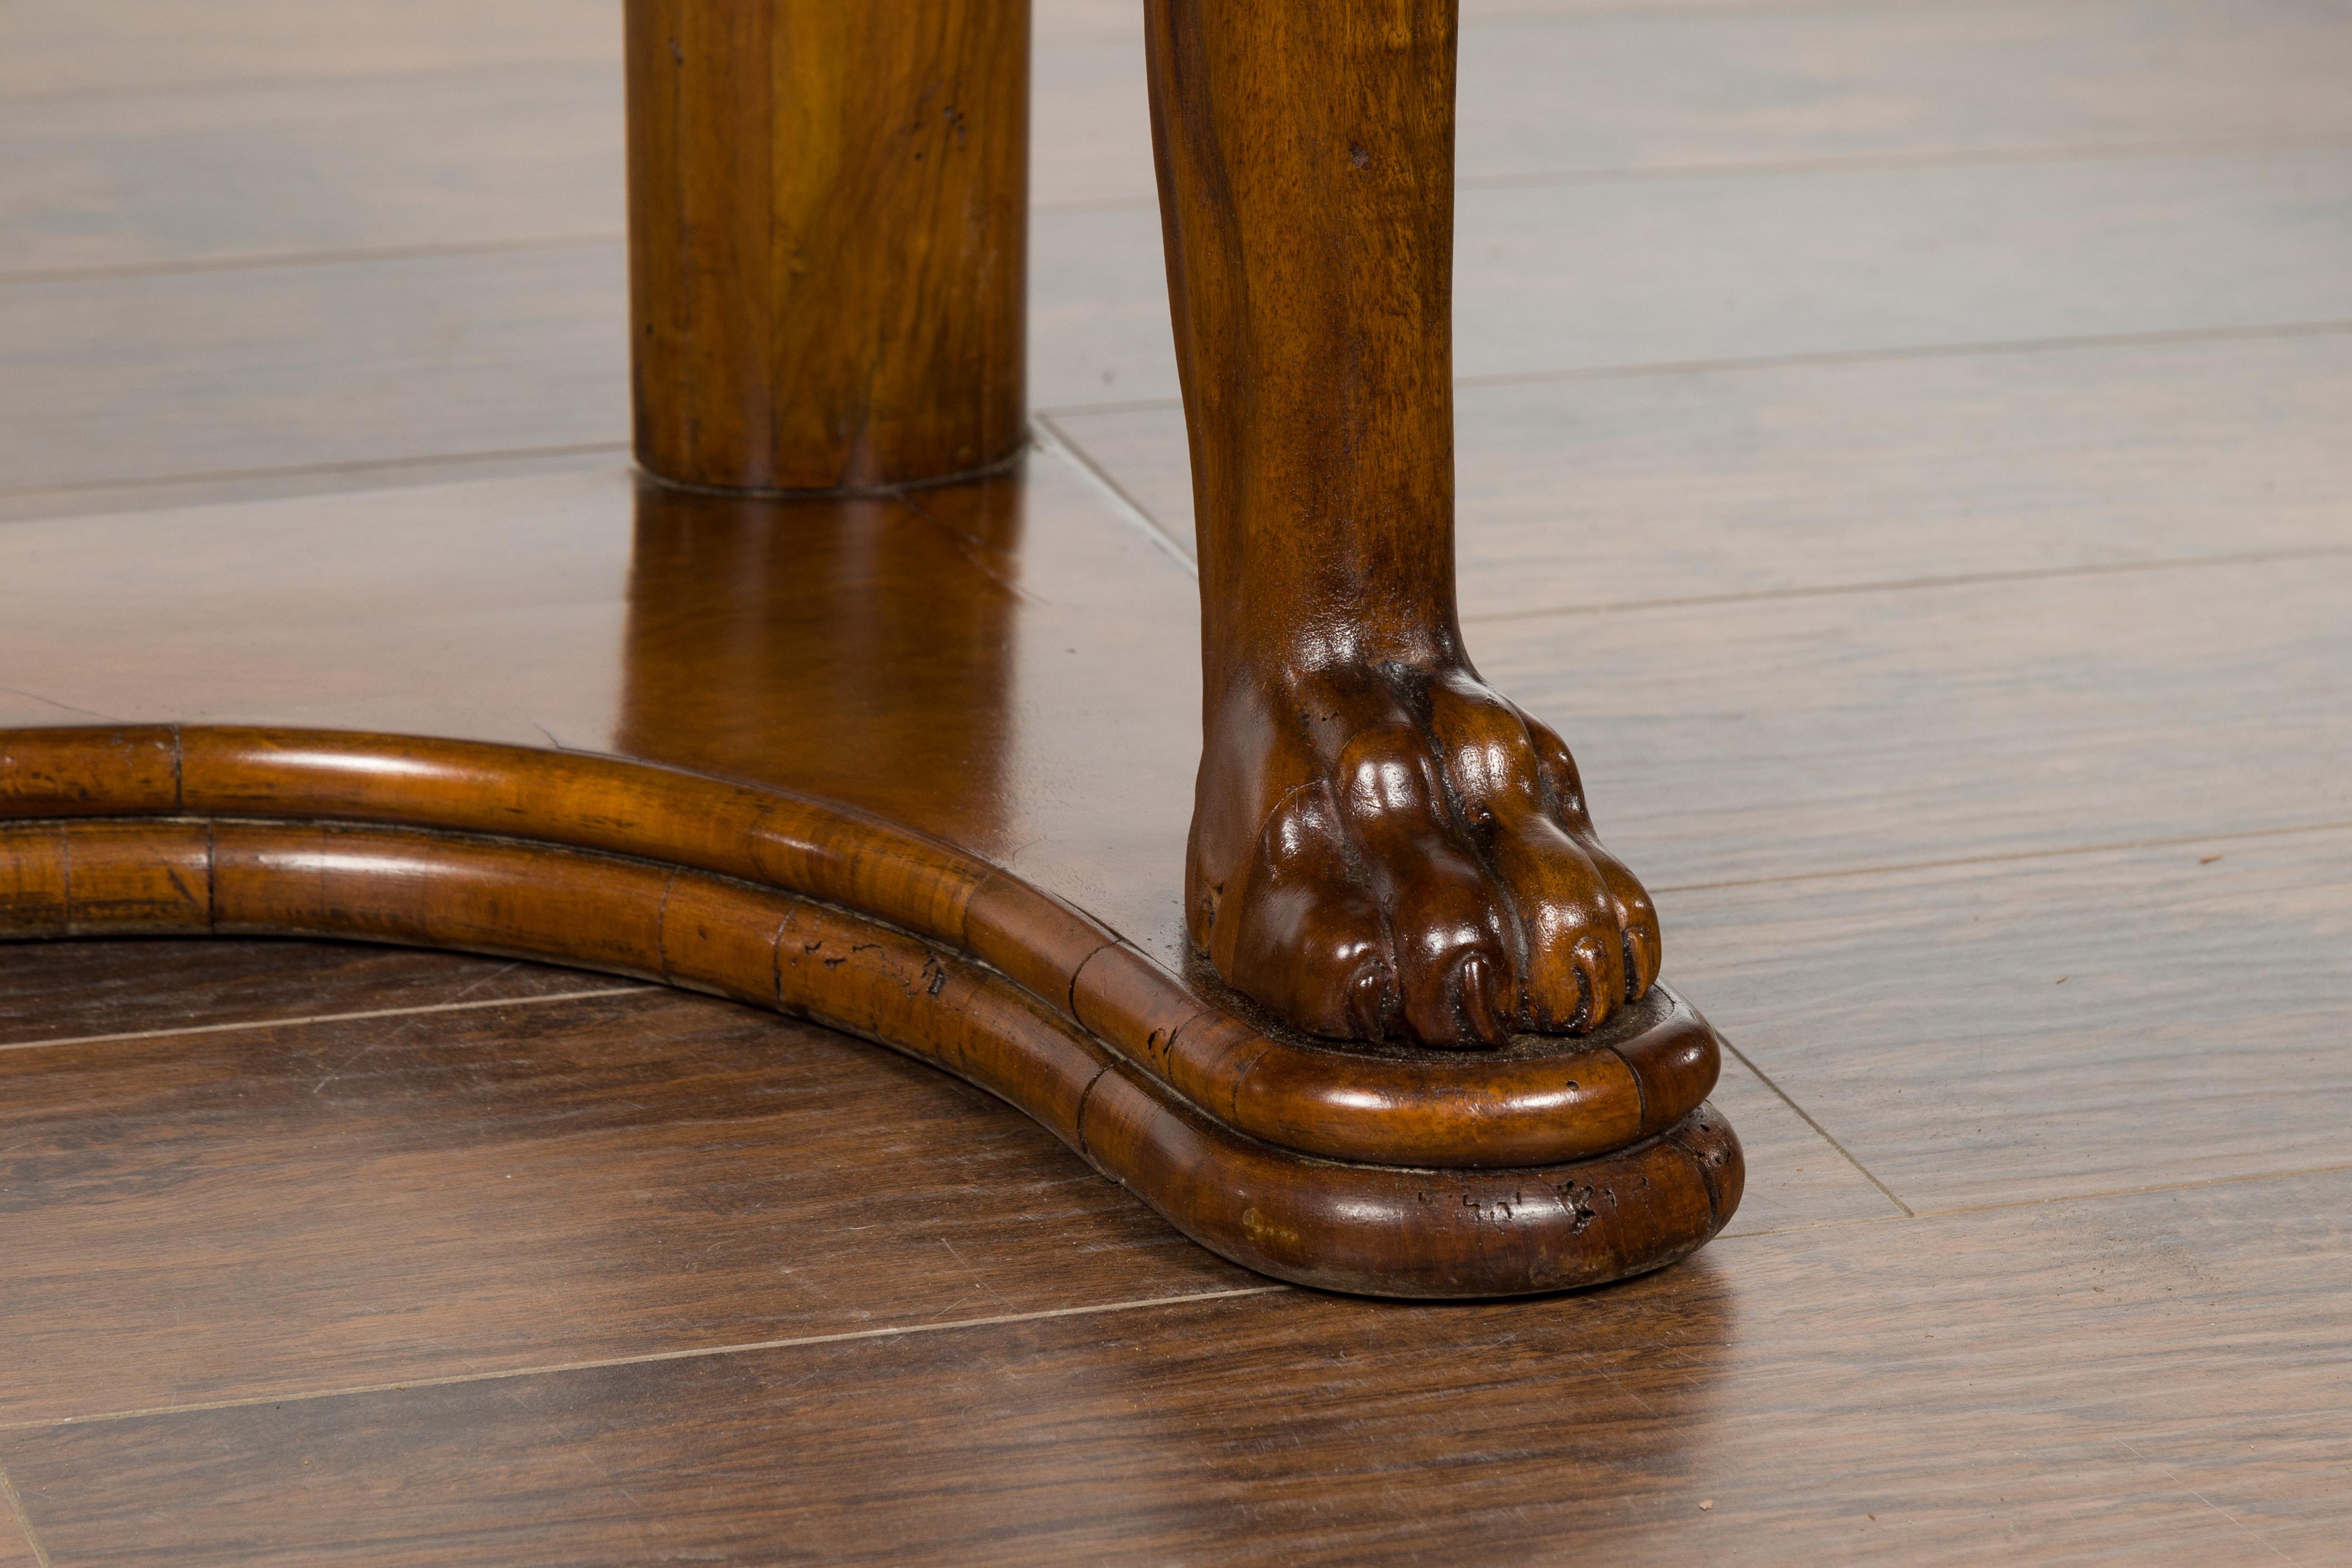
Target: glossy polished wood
208	866
1382	844
886	652
101	990
2041	1384
1741	482
538	1182
828	221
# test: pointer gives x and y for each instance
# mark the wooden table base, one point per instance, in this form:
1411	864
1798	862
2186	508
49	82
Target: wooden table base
1554	1162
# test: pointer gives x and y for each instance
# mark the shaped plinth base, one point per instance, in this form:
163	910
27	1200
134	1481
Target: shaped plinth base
1553	1164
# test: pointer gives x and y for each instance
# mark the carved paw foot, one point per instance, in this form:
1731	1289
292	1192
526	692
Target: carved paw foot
1403	851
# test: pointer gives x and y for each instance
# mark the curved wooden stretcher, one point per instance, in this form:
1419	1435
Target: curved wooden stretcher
1558	1163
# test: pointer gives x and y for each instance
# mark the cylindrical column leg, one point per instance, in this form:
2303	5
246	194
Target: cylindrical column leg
828	218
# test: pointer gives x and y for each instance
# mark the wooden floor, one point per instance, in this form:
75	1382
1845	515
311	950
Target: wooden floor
1903	446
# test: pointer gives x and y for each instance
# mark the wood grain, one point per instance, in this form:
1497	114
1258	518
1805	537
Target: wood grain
2152	1378
479	156
2196	700
2013	1032
828	216
361	360
1654	87
1834	261
516	154
58	48
539	1185
2042	1383
574	1151
1278	1153
1770	478
16	1538
1577	93
1773	738
332	363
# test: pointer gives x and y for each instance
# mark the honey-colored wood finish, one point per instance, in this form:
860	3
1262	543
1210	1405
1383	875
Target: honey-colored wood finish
828	221
1382	844
825	289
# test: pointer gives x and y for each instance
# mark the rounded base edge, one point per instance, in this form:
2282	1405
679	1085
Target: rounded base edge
1426	1230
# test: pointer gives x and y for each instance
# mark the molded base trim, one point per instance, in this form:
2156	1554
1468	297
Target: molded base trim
1267	1149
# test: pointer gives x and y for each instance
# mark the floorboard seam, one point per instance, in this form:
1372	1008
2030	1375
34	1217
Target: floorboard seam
2153	1187
1931	158
2154	338
2201	1496
24	1520
1808	1118
1728	8
1906	584
1948	158
1538	179
2006	857
1132	512
2151	338
296	80
537	1000
310	470
696	1352
262	261
1963	1210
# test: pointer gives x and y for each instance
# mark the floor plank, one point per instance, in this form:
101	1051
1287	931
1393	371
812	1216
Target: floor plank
1658	86
16	1538
1815	733
2042	1382
520	153
440	356
1580	92
68	990
98	498
1833	262
541	1186
1767	479
483	154
2023	1030
535	1185
58	48
1765	738
180	374
476	158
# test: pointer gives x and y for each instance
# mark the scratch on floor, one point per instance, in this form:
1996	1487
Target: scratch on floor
331	1017
24	1521
67	707
2201	1496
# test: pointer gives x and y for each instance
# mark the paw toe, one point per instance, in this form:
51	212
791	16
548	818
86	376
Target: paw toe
1304	934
